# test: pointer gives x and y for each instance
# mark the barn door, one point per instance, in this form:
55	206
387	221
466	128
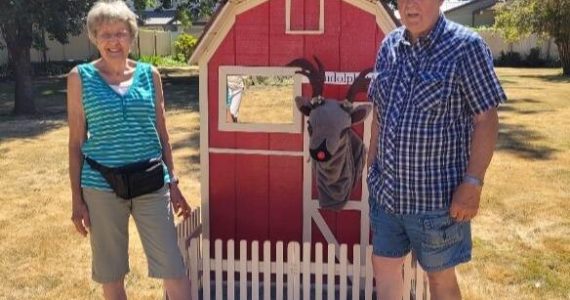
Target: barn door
315	221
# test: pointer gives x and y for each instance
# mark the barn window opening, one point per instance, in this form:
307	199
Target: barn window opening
259	99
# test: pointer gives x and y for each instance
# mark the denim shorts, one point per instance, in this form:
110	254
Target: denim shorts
437	240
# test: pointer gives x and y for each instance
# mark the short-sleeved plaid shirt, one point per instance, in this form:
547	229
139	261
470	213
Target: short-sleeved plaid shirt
427	94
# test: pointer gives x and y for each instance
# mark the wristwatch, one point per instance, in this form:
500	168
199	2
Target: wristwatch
472	180
174	180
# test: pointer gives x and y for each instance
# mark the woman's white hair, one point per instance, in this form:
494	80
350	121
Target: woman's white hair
109	11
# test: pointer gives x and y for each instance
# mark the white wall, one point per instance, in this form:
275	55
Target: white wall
79	47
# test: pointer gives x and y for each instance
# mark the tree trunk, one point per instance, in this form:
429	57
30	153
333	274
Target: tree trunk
24	100
18	38
564	51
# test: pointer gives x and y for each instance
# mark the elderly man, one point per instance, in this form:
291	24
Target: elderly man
435	126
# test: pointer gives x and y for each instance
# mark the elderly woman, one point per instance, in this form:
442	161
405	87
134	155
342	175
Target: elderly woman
120	158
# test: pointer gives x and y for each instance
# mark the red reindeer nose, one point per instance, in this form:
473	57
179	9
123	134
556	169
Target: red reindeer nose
321	155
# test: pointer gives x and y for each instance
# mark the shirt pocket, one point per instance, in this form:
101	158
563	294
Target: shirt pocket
432	91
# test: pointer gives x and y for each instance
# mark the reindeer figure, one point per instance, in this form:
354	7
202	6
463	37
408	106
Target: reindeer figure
337	153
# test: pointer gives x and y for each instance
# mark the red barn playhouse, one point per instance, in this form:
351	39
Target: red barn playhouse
256	179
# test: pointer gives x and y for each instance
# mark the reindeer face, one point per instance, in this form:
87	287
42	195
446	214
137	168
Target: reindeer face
327	122
329	119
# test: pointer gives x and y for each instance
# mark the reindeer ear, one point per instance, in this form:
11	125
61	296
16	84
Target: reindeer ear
304	105
359	113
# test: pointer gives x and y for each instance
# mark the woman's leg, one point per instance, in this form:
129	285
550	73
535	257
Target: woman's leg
115	290
177	288
109	237
155	222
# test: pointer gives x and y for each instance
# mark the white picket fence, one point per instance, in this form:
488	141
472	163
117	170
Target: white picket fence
297	271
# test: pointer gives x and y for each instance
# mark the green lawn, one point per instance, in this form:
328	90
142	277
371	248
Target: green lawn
521	236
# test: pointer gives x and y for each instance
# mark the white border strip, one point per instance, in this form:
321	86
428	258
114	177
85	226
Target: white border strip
256	152
321	29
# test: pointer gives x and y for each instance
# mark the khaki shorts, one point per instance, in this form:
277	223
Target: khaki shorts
109	216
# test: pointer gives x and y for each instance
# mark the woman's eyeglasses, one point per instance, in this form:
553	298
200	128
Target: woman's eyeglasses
107	37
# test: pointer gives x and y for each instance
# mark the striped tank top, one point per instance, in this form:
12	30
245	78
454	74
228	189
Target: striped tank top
121	129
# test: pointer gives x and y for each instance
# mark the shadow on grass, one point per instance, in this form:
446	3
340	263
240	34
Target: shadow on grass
28	127
181	93
520	141
551	78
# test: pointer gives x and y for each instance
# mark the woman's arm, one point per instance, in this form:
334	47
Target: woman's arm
179	202
77	136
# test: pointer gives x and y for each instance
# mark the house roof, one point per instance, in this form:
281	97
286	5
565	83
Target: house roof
226	9
446	6
157	18
449	5
468	2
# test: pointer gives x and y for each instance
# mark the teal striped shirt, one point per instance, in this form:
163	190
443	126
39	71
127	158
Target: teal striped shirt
120	129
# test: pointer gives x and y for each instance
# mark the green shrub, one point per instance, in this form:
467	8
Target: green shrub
154	60
161	61
533	59
184	46
509	59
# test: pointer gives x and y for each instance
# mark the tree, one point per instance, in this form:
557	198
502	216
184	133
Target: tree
391	3
543	17
193	10
22	24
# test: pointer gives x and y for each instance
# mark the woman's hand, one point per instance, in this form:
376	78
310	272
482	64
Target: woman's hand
179	204
80	216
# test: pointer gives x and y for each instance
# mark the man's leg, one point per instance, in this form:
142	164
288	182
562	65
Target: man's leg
441	244
388	274
115	290
443	285
390	245
177	288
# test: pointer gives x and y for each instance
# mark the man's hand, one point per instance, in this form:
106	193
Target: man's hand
80	217
179	204
465	202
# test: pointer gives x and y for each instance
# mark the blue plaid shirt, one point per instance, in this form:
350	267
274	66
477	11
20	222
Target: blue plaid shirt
427	94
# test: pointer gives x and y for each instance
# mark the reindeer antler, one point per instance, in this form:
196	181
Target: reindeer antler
316	76
360	84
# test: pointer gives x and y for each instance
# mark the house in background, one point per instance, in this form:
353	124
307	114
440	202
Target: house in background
164	19
473	13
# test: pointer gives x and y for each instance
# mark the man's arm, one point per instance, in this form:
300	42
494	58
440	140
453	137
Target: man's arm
374	131
465	201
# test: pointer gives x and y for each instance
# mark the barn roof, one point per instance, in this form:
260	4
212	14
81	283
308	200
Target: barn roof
228	8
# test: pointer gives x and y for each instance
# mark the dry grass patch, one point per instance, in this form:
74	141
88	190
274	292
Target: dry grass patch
522	234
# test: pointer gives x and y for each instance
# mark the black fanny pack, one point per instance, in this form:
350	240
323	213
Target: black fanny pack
132	180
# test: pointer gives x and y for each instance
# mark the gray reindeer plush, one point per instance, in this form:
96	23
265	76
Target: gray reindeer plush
337	152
